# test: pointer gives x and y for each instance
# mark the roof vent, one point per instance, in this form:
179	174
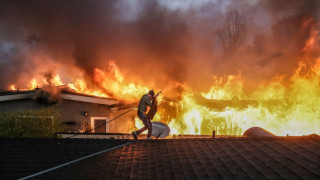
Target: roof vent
257	132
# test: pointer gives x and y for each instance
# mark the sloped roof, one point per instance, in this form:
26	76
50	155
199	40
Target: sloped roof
220	158
22	157
16	95
64	94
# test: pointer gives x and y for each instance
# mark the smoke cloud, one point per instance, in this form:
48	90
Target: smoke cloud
159	43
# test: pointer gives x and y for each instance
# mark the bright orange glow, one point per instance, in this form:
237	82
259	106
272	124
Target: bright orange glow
282	110
310	43
113	81
80	86
225	89
291	107
56	80
109	83
13	87
33	84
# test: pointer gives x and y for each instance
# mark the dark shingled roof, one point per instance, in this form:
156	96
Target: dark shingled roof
23	157
220	158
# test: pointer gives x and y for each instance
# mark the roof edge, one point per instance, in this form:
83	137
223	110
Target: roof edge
11	97
96	100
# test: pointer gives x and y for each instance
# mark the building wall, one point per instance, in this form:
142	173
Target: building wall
72	113
123	124
19	105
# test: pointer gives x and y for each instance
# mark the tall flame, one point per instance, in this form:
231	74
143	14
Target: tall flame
33	84
12	87
283	108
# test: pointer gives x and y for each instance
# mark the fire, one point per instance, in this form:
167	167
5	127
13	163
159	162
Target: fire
314	38
13	87
291	107
109	83
33	84
113	81
281	108
81	86
56	81
225	89
292	110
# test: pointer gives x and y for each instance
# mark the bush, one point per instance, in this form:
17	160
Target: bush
33	123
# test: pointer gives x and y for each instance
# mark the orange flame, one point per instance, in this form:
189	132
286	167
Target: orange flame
56	81
33	84
282	109
292	108
13	87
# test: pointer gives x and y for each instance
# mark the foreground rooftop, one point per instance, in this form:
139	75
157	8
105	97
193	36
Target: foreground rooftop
191	158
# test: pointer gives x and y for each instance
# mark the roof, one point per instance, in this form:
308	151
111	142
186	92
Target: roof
64	94
90	99
204	158
22	157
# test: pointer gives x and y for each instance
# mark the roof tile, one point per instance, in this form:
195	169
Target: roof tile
222	158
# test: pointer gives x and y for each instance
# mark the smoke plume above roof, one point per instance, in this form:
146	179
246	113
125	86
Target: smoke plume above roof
157	42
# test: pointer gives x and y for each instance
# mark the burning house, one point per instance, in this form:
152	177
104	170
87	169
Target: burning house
222	66
78	112
241	78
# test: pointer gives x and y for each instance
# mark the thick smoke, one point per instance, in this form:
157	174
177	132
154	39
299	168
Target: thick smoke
150	40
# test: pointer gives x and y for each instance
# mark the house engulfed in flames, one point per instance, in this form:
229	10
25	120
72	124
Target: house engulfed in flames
78	112
283	109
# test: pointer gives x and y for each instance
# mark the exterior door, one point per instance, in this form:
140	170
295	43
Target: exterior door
99	124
